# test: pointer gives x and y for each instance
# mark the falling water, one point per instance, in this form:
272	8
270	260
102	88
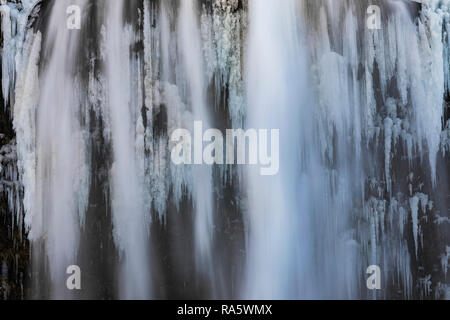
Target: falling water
129	217
59	200
363	128
279	240
191	54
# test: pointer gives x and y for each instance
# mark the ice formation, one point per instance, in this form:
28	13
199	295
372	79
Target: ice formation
364	131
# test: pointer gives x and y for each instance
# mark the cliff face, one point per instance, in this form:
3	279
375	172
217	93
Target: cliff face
14	245
87	178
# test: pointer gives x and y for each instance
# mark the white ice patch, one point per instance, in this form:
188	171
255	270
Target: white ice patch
27	96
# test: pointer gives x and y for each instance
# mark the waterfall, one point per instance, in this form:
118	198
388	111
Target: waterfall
59	189
357	115
279	236
130	220
192	62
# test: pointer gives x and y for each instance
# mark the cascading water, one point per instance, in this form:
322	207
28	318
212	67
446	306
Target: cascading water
58	179
130	219
279	226
192	64
363	128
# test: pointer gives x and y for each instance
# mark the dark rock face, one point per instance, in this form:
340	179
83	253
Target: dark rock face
14	246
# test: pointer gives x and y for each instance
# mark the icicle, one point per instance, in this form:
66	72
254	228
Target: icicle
7	51
445	258
223	41
14	19
27	94
414	205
